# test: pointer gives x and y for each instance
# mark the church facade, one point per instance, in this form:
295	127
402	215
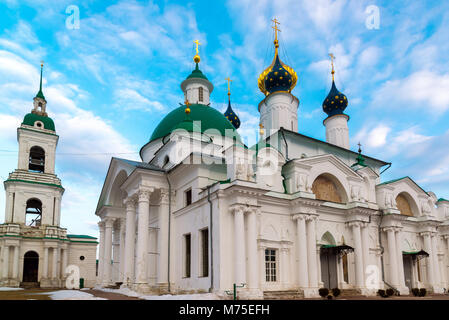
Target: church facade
202	211
34	249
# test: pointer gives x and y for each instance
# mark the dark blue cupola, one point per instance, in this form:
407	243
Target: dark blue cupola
335	102
229	113
278	76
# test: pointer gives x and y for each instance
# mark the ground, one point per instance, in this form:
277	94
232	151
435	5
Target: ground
120	294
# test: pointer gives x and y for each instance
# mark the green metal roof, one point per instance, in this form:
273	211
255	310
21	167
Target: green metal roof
209	118
80	236
406	177
31	118
442	199
197	74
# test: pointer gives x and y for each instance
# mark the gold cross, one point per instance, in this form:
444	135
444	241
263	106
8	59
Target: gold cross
276	29
229	85
332	62
197	44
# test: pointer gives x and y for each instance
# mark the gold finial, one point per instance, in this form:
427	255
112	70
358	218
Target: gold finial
229	85
187	103
196	58
261	131
332	62
276	30
42	63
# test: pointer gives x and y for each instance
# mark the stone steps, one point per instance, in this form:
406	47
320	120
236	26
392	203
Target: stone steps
350	292
29	285
283	295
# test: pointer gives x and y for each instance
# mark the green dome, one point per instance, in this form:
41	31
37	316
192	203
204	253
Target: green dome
210	119
31	118
197	73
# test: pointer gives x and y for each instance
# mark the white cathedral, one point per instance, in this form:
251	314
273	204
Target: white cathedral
202	211
34	249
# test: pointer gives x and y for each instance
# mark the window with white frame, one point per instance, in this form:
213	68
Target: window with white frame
270	265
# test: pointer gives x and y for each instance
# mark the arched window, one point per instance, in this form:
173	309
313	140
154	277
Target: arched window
37	159
33	213
325	189
200	94
403	205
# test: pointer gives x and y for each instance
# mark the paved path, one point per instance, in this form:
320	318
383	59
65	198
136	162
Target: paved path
109	295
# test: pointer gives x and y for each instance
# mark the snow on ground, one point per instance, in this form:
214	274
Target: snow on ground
130	293
10	289
70	295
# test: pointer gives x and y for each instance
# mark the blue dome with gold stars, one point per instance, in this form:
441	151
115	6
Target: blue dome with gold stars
335	102
231	116
278	76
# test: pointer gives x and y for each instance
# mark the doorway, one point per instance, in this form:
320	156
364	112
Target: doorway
30	266
408	264
328	259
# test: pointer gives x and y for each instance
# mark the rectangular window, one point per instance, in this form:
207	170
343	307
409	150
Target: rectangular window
187	255
200	94
188	197
270	265
204	238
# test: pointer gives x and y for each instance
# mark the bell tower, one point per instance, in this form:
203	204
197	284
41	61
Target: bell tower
33	191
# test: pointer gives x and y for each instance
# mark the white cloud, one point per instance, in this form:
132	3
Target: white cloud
426	90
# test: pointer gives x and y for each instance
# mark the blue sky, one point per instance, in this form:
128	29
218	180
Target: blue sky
110	82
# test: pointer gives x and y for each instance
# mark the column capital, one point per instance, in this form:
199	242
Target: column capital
388	229
164	195
236	209
144	194
130	202
101	224
299	216
109	222
355	224
311	217
426	234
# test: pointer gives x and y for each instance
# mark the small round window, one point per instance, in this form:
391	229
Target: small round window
82	258
39	124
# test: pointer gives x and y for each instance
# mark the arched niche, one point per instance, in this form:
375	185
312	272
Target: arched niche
406	205
326	187
116	195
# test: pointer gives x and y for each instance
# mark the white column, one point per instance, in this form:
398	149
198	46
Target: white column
262	274
365	246
122	249
101	252
400	261
284	267
253	274
303	279
116	253
429	260
436	263
5	262
107	251
239	247
447	257
54	263
15	266
64	263
143	212
45	268
128	277
311	252
392	253
162	240
358	255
